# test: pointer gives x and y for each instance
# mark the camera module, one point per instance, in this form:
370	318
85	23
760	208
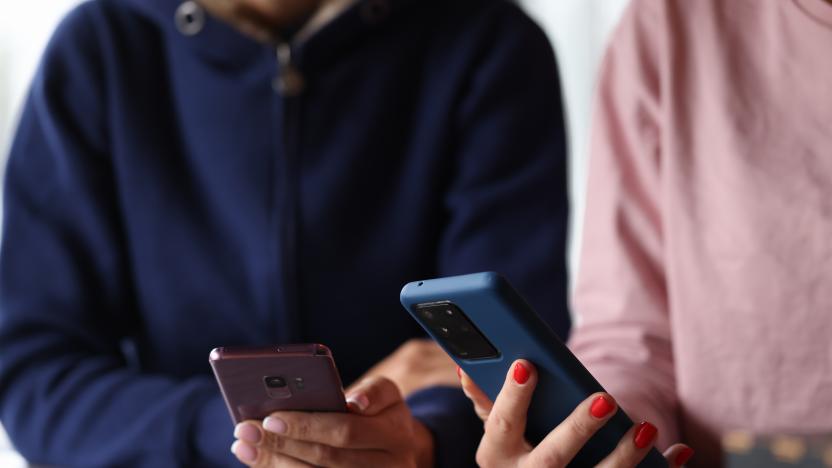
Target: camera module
275	382
453	329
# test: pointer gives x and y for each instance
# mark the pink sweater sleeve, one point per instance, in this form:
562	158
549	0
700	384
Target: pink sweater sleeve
622	330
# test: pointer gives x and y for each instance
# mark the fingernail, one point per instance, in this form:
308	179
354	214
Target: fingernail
684	456
247	432
601	407
521	374
645	433
459	371
360	401
276	425
244	451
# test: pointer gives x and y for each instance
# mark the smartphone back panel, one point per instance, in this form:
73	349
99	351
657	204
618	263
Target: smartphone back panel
257	381
513	331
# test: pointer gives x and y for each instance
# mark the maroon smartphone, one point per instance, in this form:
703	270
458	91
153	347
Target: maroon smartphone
256	382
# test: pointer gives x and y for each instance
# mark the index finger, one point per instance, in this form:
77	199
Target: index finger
506	424
482	404
343	430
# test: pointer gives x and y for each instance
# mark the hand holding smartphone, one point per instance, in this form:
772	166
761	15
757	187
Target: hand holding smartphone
301	385
485	325
257	381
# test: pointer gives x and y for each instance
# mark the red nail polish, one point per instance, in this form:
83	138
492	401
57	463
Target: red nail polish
684	456
601	407
645	433
521	374
459	372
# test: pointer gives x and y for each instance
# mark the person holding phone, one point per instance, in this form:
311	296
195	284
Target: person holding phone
504	442
701	297
189	175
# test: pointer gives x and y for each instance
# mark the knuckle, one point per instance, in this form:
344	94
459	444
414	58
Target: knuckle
276	443
411	346
301	429
324	455
345	435
415	349
383	389
581	428
551	459
389	387
497	424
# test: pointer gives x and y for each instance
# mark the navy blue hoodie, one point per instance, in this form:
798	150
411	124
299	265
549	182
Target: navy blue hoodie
163	198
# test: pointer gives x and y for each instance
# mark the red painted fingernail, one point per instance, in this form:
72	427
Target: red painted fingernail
645	433
601	407
684	456
459	371
521	374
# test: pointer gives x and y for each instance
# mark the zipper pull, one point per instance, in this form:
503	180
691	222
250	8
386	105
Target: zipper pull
289	81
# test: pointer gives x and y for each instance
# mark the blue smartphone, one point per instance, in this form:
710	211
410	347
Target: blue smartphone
484	325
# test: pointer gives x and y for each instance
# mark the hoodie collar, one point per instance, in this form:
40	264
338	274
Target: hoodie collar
337	24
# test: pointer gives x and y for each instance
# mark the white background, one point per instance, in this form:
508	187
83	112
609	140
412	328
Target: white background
578	30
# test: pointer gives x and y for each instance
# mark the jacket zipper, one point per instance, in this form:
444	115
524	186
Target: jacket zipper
289	81
289	84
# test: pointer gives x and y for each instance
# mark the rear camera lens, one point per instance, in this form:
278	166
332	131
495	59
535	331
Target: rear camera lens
449	312
427	314
444	331
275	382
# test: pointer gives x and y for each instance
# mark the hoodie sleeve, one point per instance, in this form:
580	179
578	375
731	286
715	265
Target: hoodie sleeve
621	300
507	205
68	393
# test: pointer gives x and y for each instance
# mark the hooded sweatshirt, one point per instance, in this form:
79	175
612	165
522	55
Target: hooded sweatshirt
174	186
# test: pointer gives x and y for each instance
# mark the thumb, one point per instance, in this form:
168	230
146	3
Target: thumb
373	395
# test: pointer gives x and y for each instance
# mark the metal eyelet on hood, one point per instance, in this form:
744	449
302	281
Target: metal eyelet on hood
189	18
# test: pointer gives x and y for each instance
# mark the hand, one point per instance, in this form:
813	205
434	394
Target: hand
415	365
262	20
505	421
378	431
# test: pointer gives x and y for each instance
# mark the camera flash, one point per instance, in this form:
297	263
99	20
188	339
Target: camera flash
299	382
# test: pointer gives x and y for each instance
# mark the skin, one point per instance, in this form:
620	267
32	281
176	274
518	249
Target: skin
504	443
263	20
378	431
415	365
